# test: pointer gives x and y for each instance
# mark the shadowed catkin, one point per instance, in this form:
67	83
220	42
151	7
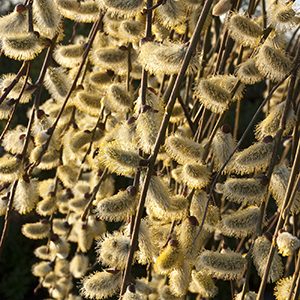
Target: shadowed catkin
203	285
118	207
240	223
164	58
248	296
47	17
287	243
88	103
117	98
260	254
113	250
41	269
101	285
121	7
79	265
131	31
23	46
244	30
227	265
242	190
272	63
183	149
212	95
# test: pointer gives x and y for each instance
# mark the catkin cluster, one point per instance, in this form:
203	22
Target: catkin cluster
125	161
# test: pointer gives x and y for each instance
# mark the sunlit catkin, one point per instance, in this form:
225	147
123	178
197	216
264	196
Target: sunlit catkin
260	254
47	17
101	285
57	83
253	159
203	285
248	73
13	23
244	30
242	190
117	98
164	58
170	258
227	265
88	103
180	278
9	168
283	288
221	7
212	95
68	56
272	63
287	243
240	223
183	149
122	7
113	250
36	231
23	46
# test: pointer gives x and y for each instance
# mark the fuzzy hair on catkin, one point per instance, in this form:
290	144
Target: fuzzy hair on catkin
101	285
36	231
118	207
113	249
287	243
13	24
68	56
180	278
227	265
244	30
240	223
242	190
248	73
203	285
23	46
126	8
260	254
183	150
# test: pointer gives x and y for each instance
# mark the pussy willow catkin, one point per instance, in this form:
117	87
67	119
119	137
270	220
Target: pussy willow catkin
150	147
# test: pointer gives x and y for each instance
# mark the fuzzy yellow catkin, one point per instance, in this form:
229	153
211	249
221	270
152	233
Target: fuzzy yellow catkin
57	83
248	73
287	243
169	258
79	265
101	285
7	79
113	250
183	150
68	175
203	285
47	17
260	254
283	288
23	46
244	30
212	95
117	98
26	196
164	58
278	186
270	124
272	63
131	31
228	265
171	14
195	176
180	278
117	207
68	56
82	12
243	190
117	159
36	231
100	80
13	23
41	269
147	128
42	252
88	103
252	159
241	223
10	168
121	7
